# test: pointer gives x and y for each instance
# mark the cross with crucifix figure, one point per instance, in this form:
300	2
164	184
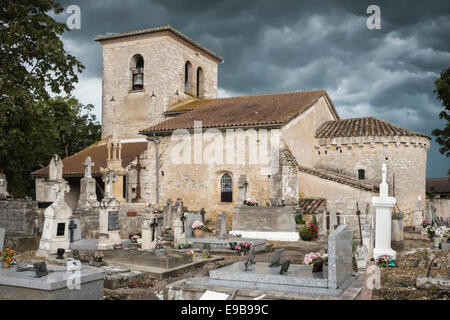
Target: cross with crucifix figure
72	227
153	225
183	219
138	168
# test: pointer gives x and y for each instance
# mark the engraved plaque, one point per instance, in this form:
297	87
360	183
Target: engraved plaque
60	229
113	220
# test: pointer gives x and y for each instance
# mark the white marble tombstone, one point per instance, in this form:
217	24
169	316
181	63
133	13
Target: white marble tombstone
383	206
55	168
56	224
88	194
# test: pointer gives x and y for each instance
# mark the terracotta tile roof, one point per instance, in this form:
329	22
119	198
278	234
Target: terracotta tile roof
73	166
362	127
438	185
166	28
247	111
310	206
183	106
339	178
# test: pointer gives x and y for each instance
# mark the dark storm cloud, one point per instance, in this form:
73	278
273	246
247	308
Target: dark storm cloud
276	46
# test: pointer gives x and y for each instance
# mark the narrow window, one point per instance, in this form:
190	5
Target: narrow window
361	174
188	77
226	186
199	82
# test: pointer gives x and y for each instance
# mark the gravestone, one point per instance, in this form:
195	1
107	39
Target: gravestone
333	221
191	217
242	185
108	215
2	238
3	185
250	259
322	220
150	233
418	215
88	194
367	237
276	258
167	220
75	230
55	168
221	229
56	224
178	235
397	230
339	256
285	267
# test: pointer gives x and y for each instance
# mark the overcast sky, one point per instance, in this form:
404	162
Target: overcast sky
277	46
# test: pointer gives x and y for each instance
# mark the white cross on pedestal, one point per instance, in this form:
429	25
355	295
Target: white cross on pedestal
108	178
88	164
383	205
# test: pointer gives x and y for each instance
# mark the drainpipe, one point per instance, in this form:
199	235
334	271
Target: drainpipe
156	141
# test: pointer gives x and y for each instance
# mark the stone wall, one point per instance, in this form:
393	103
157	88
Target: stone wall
164	63
406	158
21	218
441	207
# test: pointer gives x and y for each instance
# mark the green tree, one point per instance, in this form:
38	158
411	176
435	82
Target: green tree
443	93
33	66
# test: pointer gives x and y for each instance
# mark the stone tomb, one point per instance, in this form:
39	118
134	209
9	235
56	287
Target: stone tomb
59	284
218	243
299	279
270	223
145	258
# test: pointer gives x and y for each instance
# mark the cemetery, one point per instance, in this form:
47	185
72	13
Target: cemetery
184	195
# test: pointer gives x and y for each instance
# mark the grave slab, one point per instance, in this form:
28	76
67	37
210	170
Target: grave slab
218	243
25	286
145	258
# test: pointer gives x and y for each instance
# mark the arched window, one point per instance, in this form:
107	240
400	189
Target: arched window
226	188
137	72
361	174
199	82
188	77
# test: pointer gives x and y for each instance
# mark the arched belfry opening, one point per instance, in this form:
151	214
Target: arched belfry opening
137	72
226	188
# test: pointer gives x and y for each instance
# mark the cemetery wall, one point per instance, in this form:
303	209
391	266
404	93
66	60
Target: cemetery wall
21	218
441	207
164	72
405	157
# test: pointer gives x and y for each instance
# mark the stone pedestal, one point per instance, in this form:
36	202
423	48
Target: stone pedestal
383	205
56	224
88	195
108	224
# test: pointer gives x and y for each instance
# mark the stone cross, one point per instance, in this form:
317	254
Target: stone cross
72	227
138	167
242	185
108	178
88	164
183	219
153	225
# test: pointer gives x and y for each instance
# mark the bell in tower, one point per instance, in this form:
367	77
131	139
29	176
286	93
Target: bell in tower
138	74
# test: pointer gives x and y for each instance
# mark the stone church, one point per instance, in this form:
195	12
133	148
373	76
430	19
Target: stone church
167	135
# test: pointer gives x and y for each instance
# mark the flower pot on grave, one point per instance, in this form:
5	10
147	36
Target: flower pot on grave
6	265
306	238
198	233
60	252
436	242
318	266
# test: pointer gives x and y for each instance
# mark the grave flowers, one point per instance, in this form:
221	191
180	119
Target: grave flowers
198	228
316	259
243	248
251	203
135	237
7	256
185	245
385	261
306	232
